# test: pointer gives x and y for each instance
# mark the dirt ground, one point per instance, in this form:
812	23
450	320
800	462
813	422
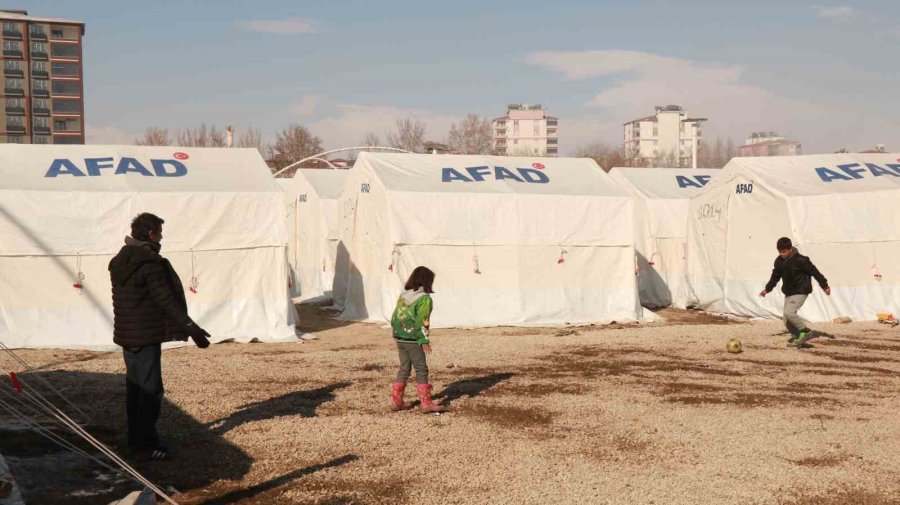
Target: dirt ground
619	414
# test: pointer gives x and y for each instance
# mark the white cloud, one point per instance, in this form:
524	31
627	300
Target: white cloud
352	122
636	81
289	26
109	135
837	12
305	105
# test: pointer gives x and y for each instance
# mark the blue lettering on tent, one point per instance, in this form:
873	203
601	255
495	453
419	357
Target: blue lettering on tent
830	175
450	175
63	167
533	175
159	166
878	171
94	165
501	173
703	179
478	173
849	170
131	165
895	167
687	182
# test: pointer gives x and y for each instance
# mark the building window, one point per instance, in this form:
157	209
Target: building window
37	30
11	45
39	85
56	33
537	128
516	141
9	26
40	103
38	47
12	65
14	121
14	102
38	66
69	139
66	106
65	69
41	139
66	87
551	122
64	50
552	141
656	131
13	83
41	122
16	139
551	132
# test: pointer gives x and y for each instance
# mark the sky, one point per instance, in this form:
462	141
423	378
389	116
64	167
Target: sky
822	73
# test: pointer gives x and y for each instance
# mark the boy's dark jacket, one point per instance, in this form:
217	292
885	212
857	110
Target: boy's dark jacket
149	305
795	273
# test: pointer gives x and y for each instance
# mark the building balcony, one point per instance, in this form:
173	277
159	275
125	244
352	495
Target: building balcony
40	74
39	55
39	37
41	130
12	34
40	111
14	91
13	72
41	93
15	111
12	53
13	128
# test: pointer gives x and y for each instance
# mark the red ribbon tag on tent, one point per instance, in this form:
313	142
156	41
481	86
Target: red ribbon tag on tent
194	285
79	281
15	382
562	257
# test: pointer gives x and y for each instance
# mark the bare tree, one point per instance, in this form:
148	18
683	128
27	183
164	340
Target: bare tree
201	137
410	135
292	144
606	156
716	155
666	159
371	139
154	136
250	137
473	135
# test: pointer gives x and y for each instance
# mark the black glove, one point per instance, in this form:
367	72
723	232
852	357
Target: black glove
198	335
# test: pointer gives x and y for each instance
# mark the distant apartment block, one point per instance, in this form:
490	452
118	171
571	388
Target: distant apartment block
769	144
668	135
43	95
526	130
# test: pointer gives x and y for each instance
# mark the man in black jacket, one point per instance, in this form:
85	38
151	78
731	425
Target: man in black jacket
795	272
149	308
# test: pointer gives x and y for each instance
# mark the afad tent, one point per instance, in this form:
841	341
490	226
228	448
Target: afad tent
64	213
312	196
513	240
661	198
840	210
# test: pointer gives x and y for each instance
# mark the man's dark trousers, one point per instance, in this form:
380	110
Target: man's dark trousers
143	379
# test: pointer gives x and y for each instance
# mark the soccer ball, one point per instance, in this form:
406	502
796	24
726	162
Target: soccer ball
734	346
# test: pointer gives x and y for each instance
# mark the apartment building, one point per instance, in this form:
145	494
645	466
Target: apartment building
43	92
526	130
669	137
769	144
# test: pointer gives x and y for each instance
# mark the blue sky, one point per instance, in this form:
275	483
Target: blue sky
823	73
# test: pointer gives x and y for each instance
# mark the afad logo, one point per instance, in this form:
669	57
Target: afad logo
853	171
533	175
697	181
95	167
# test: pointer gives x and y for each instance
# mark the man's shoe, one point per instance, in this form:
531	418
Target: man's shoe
801	339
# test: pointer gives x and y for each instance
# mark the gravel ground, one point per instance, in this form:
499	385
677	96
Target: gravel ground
619	414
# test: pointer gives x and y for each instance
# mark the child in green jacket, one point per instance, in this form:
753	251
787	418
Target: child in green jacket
410	324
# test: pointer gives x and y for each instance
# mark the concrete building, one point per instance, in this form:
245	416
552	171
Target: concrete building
43	97
769	144
526	130
669	137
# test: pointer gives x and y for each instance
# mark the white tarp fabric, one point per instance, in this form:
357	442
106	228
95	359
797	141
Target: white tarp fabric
840	210
661	198
513	240
312	195
64	213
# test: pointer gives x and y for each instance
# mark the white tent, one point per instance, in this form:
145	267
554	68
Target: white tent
313	220
513	240
840	210
65	210
661	197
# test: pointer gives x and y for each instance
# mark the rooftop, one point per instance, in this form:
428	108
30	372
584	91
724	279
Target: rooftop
20	15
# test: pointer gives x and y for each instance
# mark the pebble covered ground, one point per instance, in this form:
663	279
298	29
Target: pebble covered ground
617	414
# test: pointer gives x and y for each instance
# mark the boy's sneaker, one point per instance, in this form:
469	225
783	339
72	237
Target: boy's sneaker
801	339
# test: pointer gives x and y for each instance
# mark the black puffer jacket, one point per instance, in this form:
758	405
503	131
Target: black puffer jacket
149	306
795	273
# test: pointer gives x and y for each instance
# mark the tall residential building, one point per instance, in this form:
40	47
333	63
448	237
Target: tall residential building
526	130
43	97
769	144
667	137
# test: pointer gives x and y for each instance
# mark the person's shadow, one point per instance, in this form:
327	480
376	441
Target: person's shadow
470	387
297	403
